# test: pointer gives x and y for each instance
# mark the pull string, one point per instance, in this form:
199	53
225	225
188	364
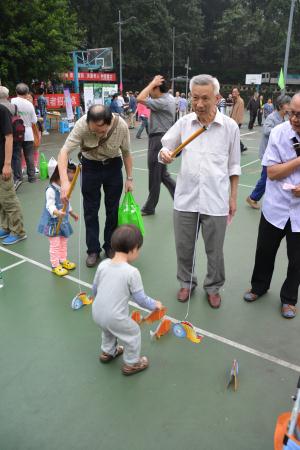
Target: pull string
80	229
193	266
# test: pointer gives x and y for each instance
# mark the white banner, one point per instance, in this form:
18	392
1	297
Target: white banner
69	109
88	92
253	78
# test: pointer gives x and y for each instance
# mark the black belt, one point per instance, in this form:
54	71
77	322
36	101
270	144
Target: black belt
104	162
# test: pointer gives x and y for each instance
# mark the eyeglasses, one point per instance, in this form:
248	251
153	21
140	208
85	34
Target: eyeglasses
294	114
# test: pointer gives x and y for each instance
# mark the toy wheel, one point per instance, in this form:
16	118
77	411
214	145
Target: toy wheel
76	303
179	331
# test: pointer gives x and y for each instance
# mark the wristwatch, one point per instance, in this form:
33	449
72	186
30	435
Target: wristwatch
130	178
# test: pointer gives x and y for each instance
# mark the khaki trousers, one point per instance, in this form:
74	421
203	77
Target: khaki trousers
11	218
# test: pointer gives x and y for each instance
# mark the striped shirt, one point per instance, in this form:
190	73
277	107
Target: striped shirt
81	137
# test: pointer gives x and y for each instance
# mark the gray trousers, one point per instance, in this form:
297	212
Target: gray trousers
186	234
158	173
128	332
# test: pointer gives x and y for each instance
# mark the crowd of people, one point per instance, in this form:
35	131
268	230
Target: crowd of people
204	195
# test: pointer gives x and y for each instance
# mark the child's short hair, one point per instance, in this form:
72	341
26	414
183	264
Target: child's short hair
55	176
126	238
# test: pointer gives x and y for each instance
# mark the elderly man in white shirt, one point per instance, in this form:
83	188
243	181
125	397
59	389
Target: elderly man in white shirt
206	187
280	213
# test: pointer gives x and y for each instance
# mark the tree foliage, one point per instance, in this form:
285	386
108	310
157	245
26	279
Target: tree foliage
227	38
35	38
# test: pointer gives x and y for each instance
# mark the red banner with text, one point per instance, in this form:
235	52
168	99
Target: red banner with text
91	76
57	101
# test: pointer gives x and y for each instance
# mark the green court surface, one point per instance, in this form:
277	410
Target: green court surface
56	395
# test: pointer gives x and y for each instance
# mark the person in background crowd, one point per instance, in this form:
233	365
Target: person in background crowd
260	110
11	219
221	104
273	119
143	114
115	105
237	112
162	105
182	105
268	108
27	113
37	137
253	107
4	100
49	88
132	110
42	107
229	104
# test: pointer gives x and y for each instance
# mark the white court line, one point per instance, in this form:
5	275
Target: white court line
246	134
247	186
249	164
13	265
42	266
139	151
208	334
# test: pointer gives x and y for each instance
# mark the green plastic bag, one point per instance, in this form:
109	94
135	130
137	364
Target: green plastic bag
43	167
130	213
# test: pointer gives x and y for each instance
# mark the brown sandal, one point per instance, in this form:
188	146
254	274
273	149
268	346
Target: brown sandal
135	368
106	357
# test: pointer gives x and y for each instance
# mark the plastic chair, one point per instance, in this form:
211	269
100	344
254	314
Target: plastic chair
63	127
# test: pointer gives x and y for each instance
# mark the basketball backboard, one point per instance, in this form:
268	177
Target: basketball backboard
95	58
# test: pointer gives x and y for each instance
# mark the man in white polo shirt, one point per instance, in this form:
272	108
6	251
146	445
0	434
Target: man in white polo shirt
206	186
27	113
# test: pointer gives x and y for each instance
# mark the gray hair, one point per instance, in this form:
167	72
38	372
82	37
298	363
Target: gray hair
4	92
22	89
282	100
205	80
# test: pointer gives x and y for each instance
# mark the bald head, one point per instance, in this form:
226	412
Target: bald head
99	113
99	118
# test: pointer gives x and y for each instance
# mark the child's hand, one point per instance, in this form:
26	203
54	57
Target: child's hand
158	305
75	216
60	213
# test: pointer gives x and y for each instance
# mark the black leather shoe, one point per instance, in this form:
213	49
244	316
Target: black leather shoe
109	253
92	259
147	213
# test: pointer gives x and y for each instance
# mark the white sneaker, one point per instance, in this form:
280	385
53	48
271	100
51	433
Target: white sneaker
36	170
45	133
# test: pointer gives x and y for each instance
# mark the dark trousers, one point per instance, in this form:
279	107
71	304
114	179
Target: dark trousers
253	115
16	162
268	241
259	117
242	147
260	187
158	174
95	176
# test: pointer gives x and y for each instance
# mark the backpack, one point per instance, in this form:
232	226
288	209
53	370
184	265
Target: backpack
18	127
